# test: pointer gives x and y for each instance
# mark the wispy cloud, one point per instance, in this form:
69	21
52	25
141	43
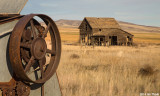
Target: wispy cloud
48	5
136	11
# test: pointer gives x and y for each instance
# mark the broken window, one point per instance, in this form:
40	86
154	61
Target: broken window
86	27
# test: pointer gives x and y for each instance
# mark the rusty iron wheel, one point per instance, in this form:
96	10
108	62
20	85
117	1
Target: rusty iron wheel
28	48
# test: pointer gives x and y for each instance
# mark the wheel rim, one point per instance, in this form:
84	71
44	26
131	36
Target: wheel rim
28	49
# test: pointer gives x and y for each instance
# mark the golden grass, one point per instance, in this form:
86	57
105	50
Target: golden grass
146	37
72	35
113	71
69	34
69	38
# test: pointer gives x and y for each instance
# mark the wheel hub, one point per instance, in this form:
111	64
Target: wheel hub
27	49
39	48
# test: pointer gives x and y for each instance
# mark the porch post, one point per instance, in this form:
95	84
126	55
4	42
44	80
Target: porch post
104	40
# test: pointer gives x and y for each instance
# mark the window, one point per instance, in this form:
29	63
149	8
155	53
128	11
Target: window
100	29
86	27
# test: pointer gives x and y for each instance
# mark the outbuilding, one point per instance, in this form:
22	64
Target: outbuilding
102	31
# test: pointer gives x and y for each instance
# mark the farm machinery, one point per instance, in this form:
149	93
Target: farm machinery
30	49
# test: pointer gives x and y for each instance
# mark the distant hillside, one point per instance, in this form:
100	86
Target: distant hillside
69	23
130	27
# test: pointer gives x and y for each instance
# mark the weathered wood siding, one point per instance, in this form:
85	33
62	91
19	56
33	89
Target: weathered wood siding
85	28
95	30
121	36
86	32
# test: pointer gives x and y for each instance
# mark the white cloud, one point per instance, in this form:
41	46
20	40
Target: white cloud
48	5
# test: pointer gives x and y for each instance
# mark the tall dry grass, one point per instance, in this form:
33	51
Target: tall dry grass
113	71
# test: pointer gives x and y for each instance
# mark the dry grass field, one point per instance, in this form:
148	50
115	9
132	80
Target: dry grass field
109	71
153	38
71	35
113	71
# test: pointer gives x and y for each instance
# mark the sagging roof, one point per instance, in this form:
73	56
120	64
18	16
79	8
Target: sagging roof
101	22
111	30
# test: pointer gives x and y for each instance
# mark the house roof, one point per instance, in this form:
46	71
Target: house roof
111	30
102	22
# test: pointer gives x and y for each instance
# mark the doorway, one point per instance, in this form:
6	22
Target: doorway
114	40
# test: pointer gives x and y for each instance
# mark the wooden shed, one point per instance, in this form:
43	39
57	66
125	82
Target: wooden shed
102	31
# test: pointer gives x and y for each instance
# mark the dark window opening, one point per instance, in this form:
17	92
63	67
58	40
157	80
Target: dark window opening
100	29
129	39
114	40
86	27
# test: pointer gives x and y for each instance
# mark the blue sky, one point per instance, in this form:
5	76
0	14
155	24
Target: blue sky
143	12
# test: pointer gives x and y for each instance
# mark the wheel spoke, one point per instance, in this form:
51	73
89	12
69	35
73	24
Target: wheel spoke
51	52
38	68
32	47
23	52
41	68
46	31
30	63
25	45
33	28
42	90
36	75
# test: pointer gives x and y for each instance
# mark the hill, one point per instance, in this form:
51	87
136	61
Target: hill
130	27
68	23
142	34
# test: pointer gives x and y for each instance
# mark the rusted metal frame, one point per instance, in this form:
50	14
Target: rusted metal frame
10	84
33	29
51	52
25	45
8	92
46	31
8	15
42	90
42	74
10	19
56	44
30	63
8	88
22	89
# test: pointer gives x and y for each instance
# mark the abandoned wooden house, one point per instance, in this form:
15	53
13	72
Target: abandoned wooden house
103	31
